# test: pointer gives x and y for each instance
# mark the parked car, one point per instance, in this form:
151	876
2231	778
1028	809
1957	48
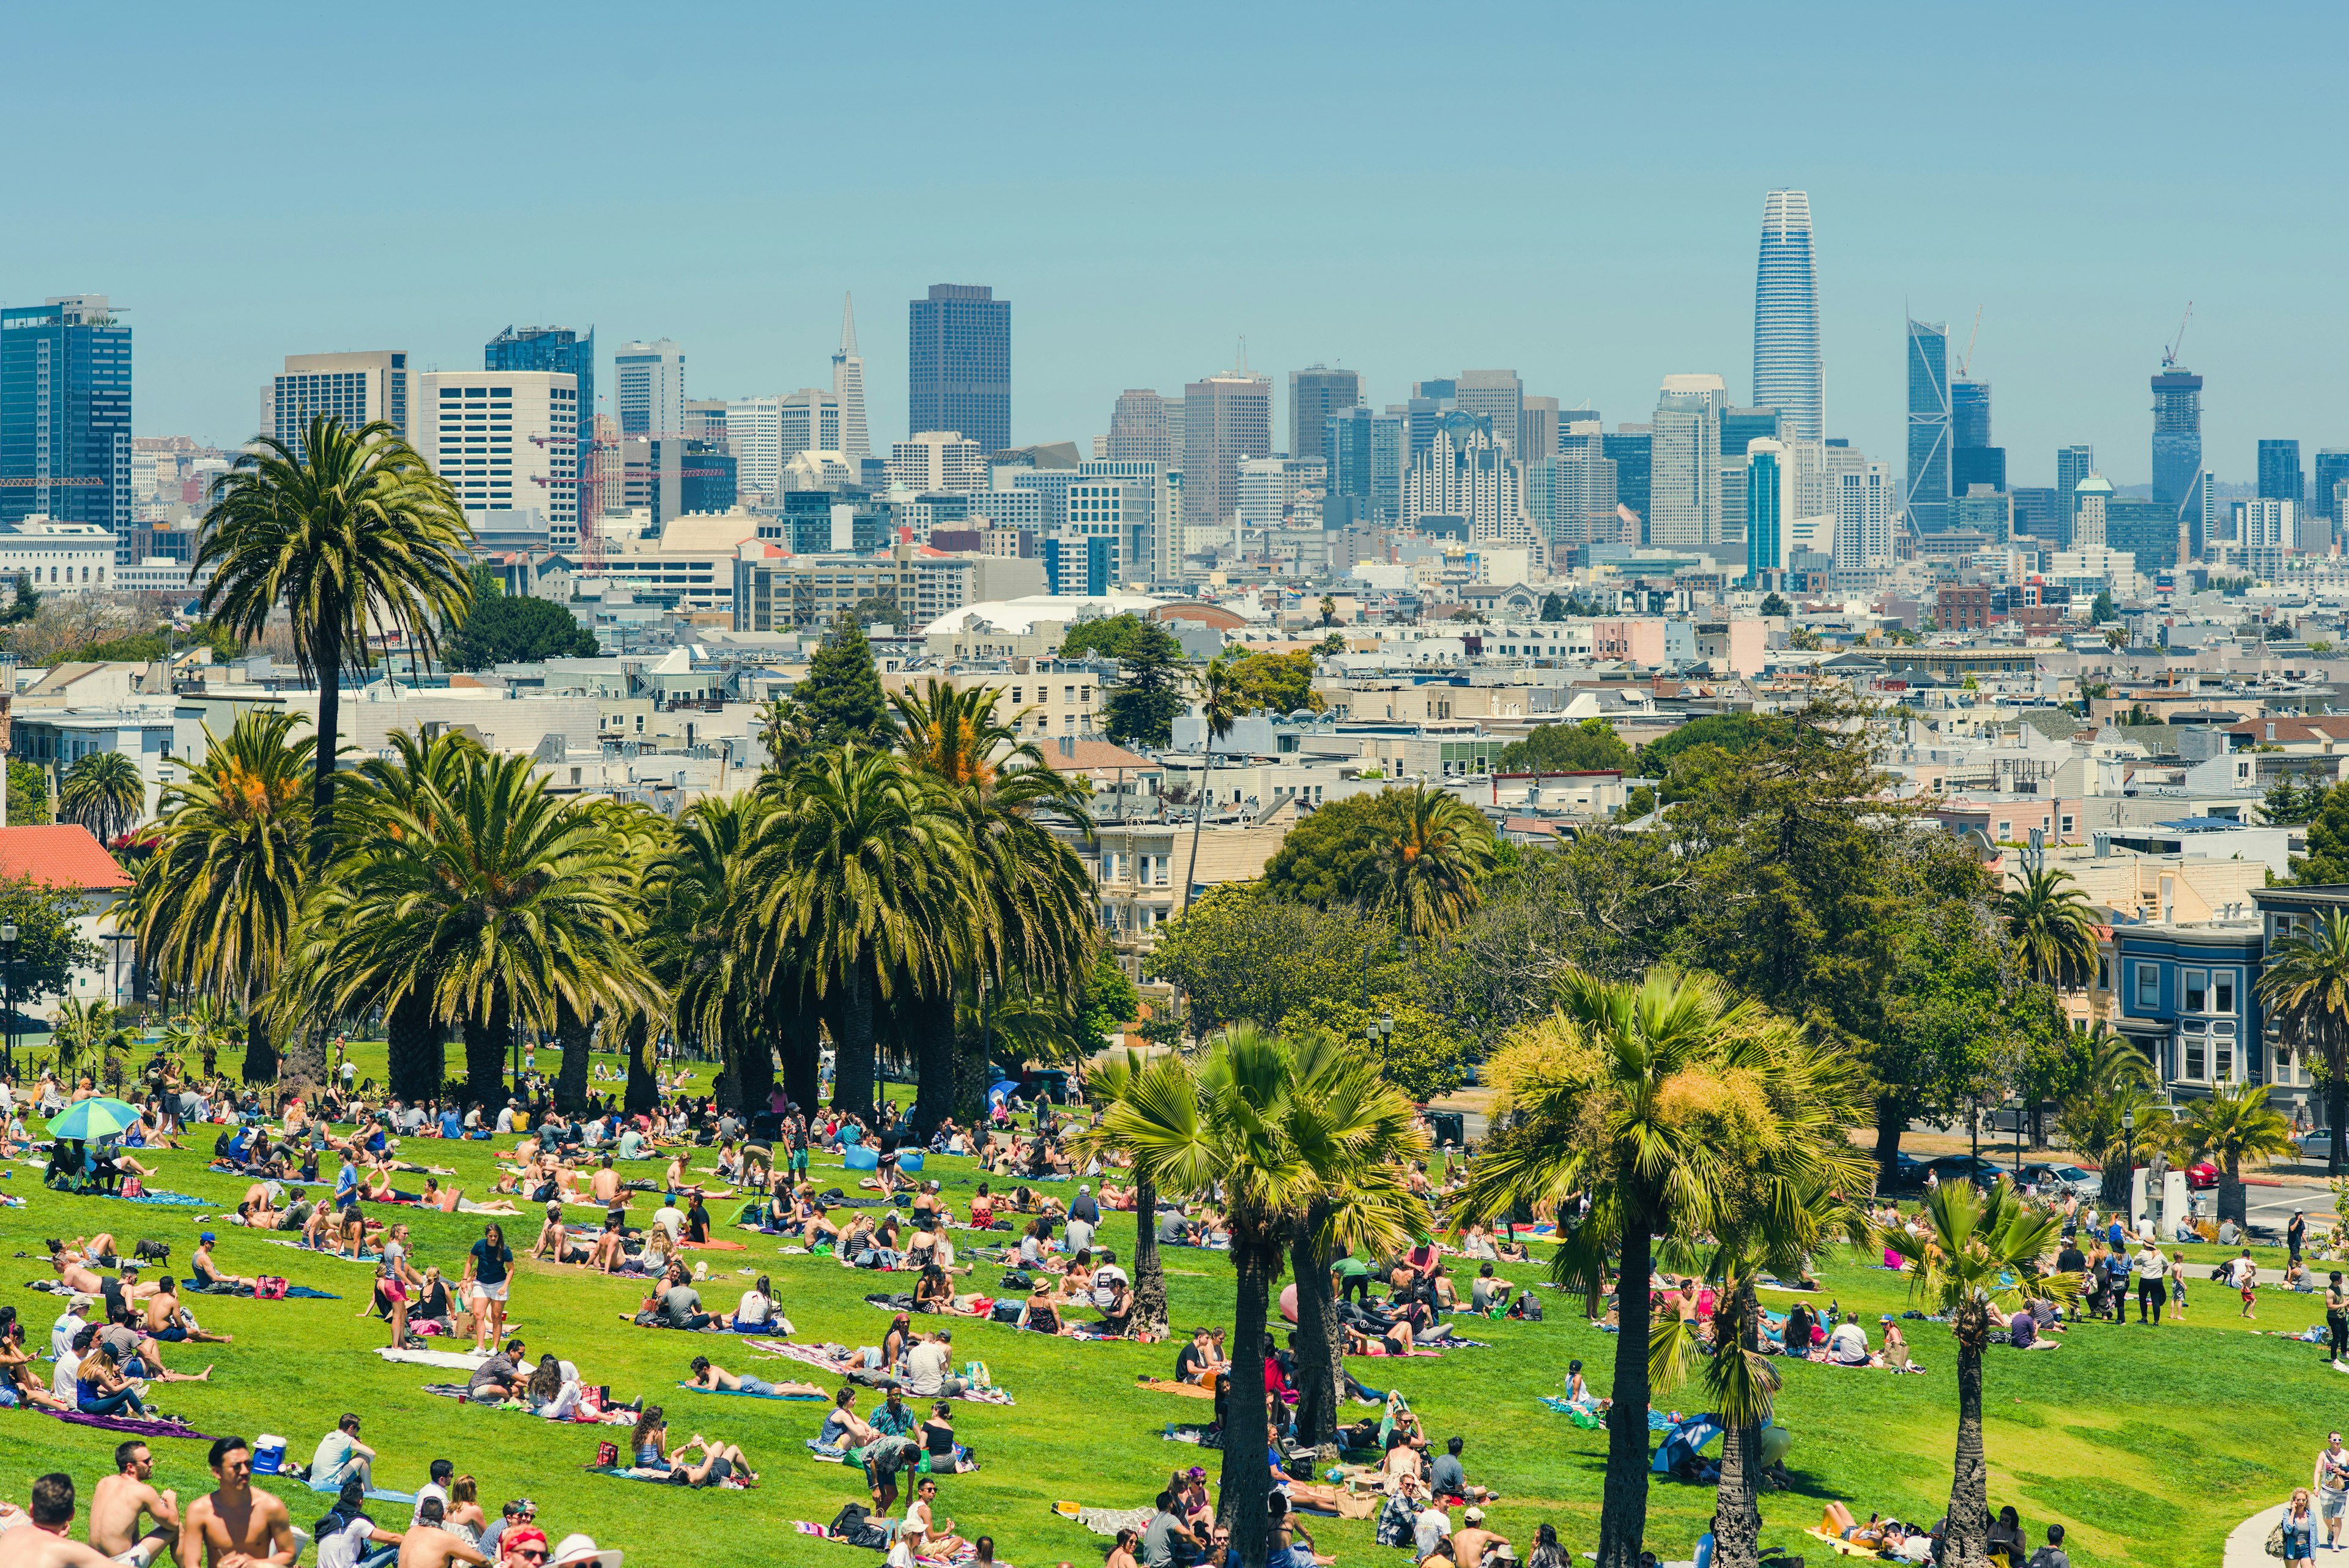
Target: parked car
1907	1172
1971	1168
2201	1176
2315	1144
2047	1177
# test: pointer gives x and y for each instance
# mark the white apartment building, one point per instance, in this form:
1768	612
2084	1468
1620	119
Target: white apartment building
1146	503
933	461
1472	476
356	389
58	557
691	560
649	388
507	443
1863	519
766	433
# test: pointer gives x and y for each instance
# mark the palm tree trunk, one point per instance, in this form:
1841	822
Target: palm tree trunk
1969	1536
1320	1374
752	1067
644	1090
576	1035
851	1043
1149	1269
485	1059
303	1068
1737	1508
931	1022
2233	1198
1246	1474
1891	1121
416	1062
1623	1506
260	1055
1198	815
2336	1106
326	657
803	1042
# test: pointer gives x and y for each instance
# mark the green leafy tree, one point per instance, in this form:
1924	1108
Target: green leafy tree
29	794
1329	610
2053	1065
1131	1076
353	535
1140	710
2327	860
1111	998
701	945
24	602
2102	610
103	791
217	906
1240	955
2235	1124
49	944
1588	746
1553	609
1423	1057
497	628
1650	1098
2294	798
1274	683
1324	860
1774	606
1977	1261
1732	732
841	695
1331	646
1109	636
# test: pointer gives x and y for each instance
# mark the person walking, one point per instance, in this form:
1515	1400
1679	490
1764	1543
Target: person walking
2296	1233
2331	1489
2299	1529
2245	1275
2178	1286
2152	1282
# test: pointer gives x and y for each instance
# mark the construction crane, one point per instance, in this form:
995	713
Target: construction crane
2169	355
1966	364
649	473
34	482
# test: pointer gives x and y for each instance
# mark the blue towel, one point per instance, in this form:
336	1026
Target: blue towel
376	1494
746	1394
174	1200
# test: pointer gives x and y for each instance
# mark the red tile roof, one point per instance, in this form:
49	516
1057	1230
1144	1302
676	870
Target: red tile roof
68	856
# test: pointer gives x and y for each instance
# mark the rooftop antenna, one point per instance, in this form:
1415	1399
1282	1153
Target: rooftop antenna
2169	355
1243	354
1966	364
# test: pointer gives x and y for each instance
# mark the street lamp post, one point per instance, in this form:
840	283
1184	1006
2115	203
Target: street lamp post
2129	1157
8	984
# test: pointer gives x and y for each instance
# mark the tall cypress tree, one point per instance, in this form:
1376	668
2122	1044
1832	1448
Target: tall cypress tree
842	696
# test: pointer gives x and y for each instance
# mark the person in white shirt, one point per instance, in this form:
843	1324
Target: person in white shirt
71	1323
505	1119
928	1366
438	1487
1081	1236
671	1219
1107	1281
65	1382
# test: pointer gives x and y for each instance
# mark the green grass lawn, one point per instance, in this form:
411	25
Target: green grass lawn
2148	1444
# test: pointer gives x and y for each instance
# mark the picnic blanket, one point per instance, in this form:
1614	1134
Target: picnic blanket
584	1418
135	1427
1193	1432
661	1478
747	1394
456	1360
1842	1548
1107	1521
293	1292
374	1493
329	1253
168	1199
1163	1386
970	1553
1580	1415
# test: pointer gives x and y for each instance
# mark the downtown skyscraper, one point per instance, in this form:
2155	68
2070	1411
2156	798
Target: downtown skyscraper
1926	496
65	413
848	386
959	364
2178	439
1789	373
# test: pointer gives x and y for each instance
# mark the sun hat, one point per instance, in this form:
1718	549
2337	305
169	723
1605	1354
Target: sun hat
578	1550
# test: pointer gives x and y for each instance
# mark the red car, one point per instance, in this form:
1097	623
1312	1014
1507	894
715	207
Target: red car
2201	1176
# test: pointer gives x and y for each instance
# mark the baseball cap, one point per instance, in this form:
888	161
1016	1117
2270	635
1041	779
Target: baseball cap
208	1237
1475	1516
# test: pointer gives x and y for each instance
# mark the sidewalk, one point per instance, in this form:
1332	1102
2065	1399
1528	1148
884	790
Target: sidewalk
2247	1545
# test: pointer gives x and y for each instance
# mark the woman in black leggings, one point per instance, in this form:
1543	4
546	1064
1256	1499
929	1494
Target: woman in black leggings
2336	1320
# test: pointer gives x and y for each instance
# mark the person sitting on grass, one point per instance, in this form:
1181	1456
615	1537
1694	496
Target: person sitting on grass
101	1388
842	1426
1039	1313
925	1534
719	1462
501	1377
610	1251
206	1270
18	1383
165	1319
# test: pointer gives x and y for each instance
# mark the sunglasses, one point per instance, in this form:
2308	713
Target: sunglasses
537	1553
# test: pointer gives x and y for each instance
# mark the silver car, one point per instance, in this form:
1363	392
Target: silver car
2050	1177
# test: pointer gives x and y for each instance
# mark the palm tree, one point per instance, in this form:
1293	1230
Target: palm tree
2117	1114
701	897
354	535
2235	1124
104	792
2052	926
1980	1256
1276	1129
1109	1082
91	1029
2306	989
866	885
1033	929
204	1028
216	906
1642	1096
1433	849
1221	703
502	903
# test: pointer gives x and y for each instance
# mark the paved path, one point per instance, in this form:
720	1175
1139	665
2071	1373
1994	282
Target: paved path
2247	1547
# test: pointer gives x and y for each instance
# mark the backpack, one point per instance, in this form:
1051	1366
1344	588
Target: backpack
269	1288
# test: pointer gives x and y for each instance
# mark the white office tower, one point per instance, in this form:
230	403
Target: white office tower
356	389
507	441
1151	543
767	433
1863	514
1469	475
649	388
2088	503
933	462
2261	524
1537	430
1684	472
1789	373
1500	397
848	387
1810	484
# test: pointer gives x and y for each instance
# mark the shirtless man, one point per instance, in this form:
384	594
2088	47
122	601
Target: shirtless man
76	1275
605	1186
429	1543
233	1526
1472	1539
122	1497
47	1543
165	1321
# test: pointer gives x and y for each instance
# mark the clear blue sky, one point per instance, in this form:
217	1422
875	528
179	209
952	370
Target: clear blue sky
1573	190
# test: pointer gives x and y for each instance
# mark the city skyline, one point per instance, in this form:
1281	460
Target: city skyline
2077	305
